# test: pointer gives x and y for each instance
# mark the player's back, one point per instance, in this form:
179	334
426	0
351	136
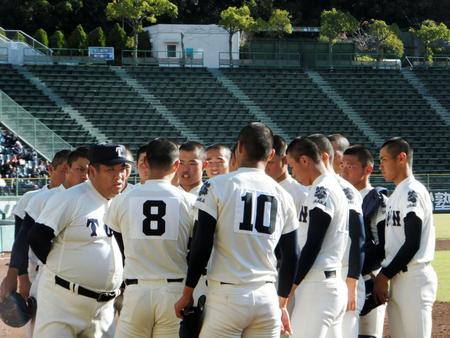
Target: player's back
252	212
156	221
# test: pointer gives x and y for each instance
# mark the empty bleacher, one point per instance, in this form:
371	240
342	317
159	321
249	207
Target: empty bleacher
437	81
294	102
40	106
105	100
197	99
392	107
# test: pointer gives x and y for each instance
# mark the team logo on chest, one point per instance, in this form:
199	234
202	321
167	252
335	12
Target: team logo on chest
93	224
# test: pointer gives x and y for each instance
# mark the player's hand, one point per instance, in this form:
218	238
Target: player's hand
380	288
24	286
352	287
9	284
292	293
286	328
184	302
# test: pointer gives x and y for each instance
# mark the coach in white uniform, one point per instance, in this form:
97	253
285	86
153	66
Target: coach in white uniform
156	222
321	293
244	215
83	263
409	248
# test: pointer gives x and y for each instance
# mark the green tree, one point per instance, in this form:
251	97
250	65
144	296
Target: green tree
117	37
384	39
280	22
235	20
97	38
335	26
41	36
136	12
78	38
432	36
57	40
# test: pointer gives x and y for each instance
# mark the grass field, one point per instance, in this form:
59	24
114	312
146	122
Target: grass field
442	223
441	264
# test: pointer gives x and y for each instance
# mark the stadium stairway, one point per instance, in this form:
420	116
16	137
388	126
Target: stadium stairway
34	101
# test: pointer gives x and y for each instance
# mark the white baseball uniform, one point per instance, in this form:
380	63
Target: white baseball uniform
372	323
19	208
350	323
84	260
156	221
321	297
412	291
252	212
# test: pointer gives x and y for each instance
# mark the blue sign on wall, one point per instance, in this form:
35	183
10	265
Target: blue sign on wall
104	53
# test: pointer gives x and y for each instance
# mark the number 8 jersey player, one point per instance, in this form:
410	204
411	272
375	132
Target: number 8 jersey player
156	222
244	215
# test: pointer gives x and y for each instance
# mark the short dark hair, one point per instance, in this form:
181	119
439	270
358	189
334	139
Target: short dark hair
60	157
194	146
220	146
323	144
257	140
361	153
303	146
141	150
339	142
279	145
161	153
80	152
397	145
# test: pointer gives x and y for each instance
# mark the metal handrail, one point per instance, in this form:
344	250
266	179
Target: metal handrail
414	61
11	33
260	59
151	57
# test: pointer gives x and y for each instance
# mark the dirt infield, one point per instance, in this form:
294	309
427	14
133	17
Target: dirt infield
443	244
441	312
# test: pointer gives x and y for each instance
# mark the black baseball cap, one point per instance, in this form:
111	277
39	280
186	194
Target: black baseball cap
108	154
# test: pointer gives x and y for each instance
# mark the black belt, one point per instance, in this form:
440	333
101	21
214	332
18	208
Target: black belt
169	280
330	274
225	283
99	296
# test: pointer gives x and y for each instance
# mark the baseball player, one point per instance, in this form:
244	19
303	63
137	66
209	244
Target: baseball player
192	163
83	263
17	270
354	254
141	166
243	215
357	167
218	159
320	291
156	221
339	143
409	247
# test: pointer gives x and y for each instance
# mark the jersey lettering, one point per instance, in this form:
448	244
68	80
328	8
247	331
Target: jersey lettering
393	216
108	230
259	217
303	214
154	223
93	224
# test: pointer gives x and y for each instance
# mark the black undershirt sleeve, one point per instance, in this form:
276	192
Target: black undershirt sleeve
201	248
289	254
357	244
319	221
413	232
40	237
374	252
119	240
19	253
17	225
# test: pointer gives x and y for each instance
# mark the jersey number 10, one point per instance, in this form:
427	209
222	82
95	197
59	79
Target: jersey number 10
261	202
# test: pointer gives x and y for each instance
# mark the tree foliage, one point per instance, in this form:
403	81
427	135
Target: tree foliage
280	22
57	40
78	38
381	38
136	12
117	37
433	36
336	25
97	38
41	36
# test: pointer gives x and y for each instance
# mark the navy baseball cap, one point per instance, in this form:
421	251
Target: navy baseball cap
108	154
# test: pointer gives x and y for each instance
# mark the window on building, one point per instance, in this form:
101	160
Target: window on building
171	51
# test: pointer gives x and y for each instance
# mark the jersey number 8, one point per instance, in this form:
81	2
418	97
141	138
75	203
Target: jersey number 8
154	218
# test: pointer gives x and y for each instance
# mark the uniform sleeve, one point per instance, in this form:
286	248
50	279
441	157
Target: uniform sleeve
354	200
19	209
414	204
34	206
57	213
207	199
291	222
322	200
112	218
